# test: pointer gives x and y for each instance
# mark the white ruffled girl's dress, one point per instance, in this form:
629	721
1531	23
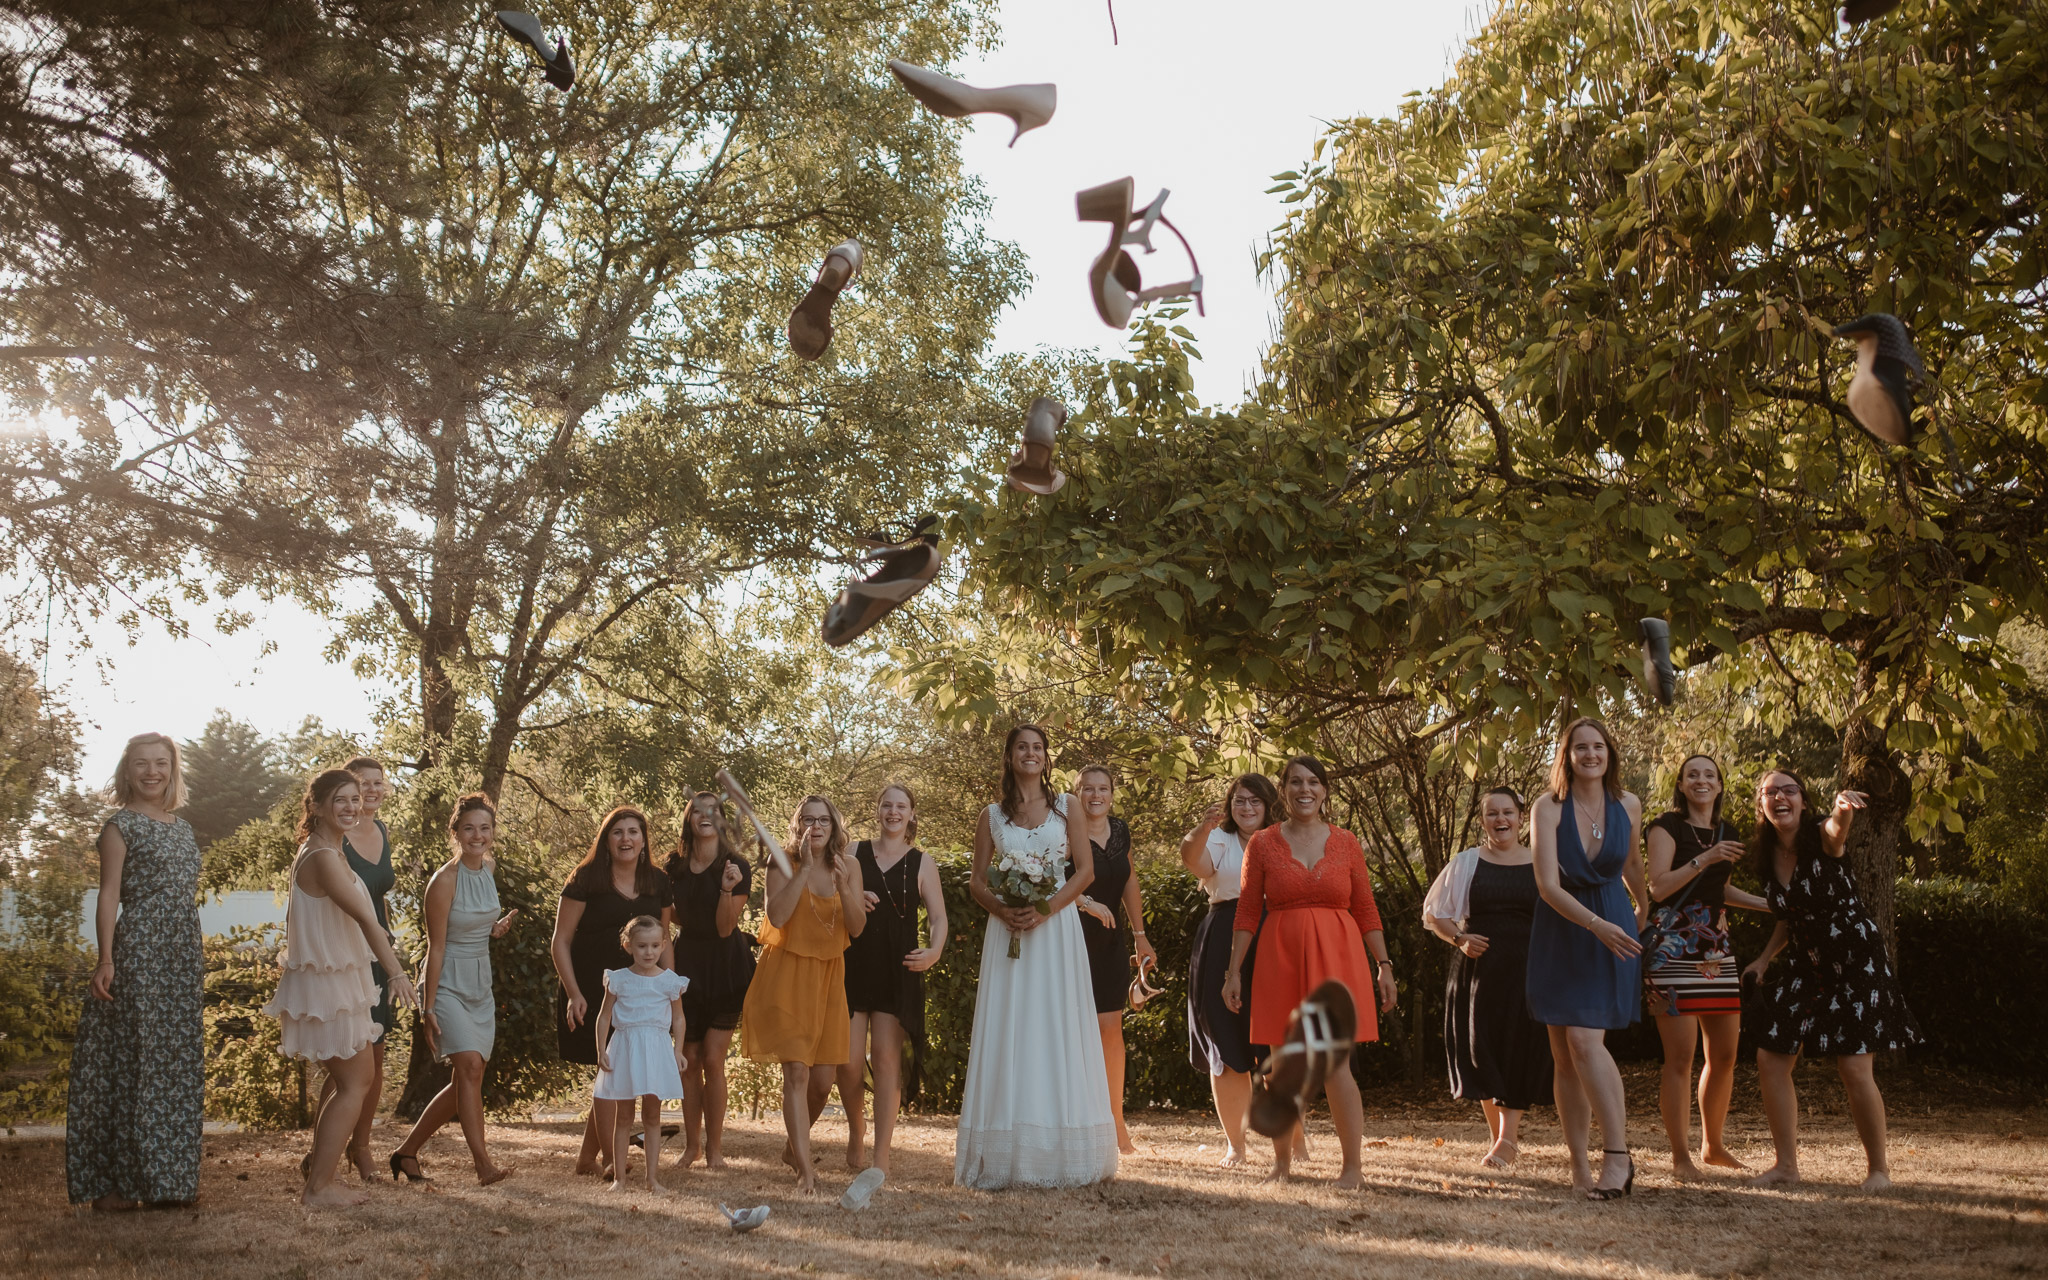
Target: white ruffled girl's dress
325	995
642	1049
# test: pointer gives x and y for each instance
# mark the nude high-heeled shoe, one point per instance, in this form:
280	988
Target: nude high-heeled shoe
810	325
1028	105
1114	281
1658	674
1031	468
899	572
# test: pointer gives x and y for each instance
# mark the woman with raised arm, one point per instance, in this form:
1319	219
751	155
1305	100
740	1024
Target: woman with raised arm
1035	1109
1689	975
1835	993
712	880
1219	1037
325	994
1482	903
138	1065
458	1009
885	968
1307	880
796	1007
1115	890
1585	966
372	864
615	882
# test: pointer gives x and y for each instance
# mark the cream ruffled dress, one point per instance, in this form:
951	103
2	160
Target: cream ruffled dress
325	994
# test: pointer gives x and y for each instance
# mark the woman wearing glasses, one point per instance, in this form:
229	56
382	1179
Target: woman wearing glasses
1219	1037
1835	993
796	1006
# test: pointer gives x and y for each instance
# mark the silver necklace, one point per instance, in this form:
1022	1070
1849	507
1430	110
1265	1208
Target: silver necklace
1593	820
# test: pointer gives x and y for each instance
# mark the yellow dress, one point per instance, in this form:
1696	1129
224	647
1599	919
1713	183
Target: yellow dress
796	1005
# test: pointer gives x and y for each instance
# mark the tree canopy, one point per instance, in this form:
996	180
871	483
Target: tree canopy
1548	364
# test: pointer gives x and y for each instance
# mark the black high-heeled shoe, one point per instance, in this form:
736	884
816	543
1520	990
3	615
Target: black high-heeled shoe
810	325
1627	1188
414	1174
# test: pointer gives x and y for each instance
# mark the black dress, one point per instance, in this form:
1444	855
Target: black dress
379	878
595	948
719	969
1835	992
1109	960
1497	1052
876	981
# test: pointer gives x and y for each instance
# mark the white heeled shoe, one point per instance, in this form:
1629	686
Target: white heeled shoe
1113	278
1028	105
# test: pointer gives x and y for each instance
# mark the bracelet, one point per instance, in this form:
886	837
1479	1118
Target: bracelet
1137	933
1458	940
1379	965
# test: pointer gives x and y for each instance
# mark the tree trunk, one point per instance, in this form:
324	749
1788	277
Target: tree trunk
1869	766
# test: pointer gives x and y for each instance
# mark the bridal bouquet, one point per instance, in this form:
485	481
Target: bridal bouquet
1026	879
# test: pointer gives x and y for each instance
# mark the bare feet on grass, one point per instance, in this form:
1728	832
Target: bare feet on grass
1350	1179
1722	1158
332	1196
714	1161
1683	1169
493	1175
1777	1175
1231	1159
115	1204
689	1157
1879	1180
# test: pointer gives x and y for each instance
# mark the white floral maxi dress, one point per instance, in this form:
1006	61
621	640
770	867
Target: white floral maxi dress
1035	1109
138	1069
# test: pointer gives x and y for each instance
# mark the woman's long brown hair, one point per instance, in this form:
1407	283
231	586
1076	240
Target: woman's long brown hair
594	873
1561	765
1013	792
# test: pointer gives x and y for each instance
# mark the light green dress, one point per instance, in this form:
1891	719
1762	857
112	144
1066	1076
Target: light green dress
463	1003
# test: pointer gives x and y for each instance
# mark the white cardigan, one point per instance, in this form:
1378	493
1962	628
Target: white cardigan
1450	894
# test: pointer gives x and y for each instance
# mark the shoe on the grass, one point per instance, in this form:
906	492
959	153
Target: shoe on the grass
863	1188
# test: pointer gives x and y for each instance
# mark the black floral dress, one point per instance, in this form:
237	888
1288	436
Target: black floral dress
1835	992
138	1071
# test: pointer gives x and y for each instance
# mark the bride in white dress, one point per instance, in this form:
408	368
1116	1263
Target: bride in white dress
1036	1107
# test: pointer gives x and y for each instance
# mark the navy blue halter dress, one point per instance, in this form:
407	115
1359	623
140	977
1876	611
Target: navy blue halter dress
1574	980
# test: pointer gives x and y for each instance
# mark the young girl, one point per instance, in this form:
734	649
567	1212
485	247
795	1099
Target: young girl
644	1005
796	1008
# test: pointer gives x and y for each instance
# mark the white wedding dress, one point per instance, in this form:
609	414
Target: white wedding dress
1036	1107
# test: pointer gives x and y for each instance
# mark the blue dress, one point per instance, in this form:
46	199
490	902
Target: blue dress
1574	980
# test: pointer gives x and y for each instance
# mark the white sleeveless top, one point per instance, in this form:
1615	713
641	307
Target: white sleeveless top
1047	840
1226	854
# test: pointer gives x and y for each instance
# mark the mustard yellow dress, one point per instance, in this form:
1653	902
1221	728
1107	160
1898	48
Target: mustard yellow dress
796	1006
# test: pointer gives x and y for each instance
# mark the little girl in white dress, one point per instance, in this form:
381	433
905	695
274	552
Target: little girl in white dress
640	1039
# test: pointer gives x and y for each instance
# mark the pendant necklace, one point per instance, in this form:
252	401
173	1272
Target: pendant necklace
1593	821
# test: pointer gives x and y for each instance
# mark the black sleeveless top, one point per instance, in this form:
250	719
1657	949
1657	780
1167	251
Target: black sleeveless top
1710	886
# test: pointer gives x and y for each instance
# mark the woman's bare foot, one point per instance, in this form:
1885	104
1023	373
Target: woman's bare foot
491	1176
366	1166
688	1158
853	1164
1127	1147
803	1174
1777	1175
1350	1180
807	1185
1280	1173
714	1160
111	1203
660	1188
1879	1180
1301	1151
1231	1159
1722	1158
332	1196
617	1184
1683	1169
584	1168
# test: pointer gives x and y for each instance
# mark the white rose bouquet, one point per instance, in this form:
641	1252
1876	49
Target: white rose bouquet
1027	879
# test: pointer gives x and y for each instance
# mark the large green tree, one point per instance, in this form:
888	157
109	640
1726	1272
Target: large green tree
1547	365
498	366
232	772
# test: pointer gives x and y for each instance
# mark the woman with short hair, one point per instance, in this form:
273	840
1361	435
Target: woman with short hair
1585	969
458	1010
1219	1037
1306	879
1835	994
1482	903
138	1065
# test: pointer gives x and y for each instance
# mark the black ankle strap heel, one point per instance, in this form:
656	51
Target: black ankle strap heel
1627	1188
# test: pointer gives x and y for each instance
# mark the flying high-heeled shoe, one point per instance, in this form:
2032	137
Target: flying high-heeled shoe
1114	281
1031	468
1658	673
810	325
556	57
1320	1035
1027	105
900	572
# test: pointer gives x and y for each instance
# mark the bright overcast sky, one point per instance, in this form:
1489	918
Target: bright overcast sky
1207	98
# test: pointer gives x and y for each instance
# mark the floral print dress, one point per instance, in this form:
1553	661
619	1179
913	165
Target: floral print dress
138	1071
1835	992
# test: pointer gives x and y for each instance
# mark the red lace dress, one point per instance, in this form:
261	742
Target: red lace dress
1316	922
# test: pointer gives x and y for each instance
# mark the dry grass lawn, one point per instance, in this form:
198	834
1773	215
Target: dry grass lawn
1971	1201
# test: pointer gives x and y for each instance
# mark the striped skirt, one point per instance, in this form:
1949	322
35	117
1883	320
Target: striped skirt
1689	969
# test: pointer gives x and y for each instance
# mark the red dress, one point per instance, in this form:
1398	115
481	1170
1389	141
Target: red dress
1316	922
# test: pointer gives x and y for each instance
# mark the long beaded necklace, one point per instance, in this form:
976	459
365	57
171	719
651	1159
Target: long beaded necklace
905	907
